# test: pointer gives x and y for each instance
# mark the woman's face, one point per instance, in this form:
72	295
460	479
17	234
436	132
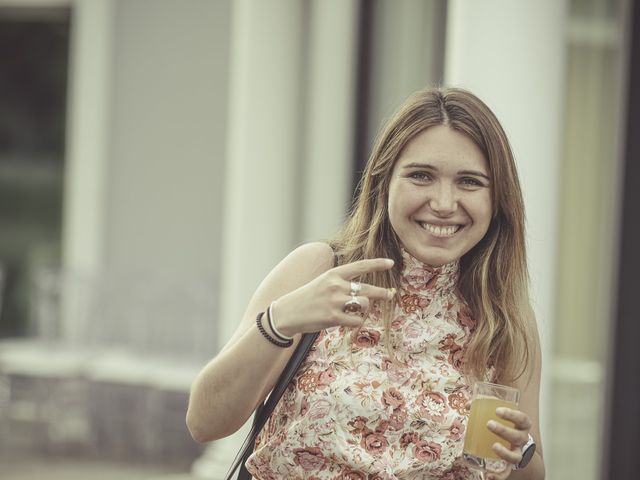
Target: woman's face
440	196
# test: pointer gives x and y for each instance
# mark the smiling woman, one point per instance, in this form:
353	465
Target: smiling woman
422	293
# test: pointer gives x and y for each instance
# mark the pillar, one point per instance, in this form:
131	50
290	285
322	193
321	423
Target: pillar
511	54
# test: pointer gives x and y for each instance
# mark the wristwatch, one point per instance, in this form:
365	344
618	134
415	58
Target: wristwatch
528	449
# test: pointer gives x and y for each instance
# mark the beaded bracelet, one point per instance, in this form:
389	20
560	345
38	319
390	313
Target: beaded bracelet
272	325
266	335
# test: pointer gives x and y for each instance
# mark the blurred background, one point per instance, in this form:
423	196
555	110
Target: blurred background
158	157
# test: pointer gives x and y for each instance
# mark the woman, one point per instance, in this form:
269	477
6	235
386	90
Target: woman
430	294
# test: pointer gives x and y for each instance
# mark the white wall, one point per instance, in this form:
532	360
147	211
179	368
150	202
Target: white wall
144	174
168	132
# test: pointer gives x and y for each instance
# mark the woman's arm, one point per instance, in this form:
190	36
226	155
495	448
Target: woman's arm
529	385
526	418
310	295
227	390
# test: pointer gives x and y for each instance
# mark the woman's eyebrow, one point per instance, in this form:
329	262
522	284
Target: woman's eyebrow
419	165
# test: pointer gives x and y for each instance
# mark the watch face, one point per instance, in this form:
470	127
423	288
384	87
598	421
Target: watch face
527	455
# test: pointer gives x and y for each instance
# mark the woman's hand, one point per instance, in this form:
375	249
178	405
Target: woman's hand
516	436
320	303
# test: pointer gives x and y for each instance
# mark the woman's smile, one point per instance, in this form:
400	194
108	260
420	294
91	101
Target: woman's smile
440	231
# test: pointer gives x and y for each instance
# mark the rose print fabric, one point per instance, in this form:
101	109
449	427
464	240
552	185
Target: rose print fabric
356	412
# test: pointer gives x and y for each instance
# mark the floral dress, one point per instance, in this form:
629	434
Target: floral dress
354	412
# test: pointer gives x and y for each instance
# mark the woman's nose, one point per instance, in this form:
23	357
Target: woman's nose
443	199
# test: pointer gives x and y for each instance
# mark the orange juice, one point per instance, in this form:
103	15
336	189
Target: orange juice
479	439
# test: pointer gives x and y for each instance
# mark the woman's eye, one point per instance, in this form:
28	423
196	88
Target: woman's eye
420	176
471	182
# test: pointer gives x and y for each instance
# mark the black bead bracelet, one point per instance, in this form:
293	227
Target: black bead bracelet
266	335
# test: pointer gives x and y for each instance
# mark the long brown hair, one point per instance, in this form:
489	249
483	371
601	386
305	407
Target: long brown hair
493	274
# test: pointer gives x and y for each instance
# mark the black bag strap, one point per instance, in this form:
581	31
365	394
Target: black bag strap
264	411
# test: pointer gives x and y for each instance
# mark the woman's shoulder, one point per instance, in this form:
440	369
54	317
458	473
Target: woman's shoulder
310	250
311	258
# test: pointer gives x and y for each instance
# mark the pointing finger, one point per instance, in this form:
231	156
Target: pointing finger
360	267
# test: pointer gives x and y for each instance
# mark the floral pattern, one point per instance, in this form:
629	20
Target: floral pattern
355	412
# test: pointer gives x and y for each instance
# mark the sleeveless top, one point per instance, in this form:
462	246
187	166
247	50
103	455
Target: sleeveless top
354	411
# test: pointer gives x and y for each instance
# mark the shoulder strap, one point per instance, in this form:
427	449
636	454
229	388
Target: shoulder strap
263	412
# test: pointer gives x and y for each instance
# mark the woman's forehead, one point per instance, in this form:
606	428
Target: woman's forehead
442	148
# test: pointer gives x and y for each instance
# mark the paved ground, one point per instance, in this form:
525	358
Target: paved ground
57	469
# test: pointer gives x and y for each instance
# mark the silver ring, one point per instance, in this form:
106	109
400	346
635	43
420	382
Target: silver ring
352	305
355	288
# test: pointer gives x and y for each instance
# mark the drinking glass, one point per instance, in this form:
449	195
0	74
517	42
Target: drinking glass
478	441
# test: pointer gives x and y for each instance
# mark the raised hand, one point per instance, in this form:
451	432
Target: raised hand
320	304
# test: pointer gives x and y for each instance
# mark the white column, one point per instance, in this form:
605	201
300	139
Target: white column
262	178
330	116
87	135
512	55
262	175
83	229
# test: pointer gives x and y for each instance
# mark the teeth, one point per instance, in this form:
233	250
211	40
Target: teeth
440	231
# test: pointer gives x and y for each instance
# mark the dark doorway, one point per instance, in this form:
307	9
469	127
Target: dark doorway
34	46
623	433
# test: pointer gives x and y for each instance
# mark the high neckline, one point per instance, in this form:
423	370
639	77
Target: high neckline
418	276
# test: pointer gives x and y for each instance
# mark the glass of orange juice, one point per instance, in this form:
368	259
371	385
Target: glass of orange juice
479	440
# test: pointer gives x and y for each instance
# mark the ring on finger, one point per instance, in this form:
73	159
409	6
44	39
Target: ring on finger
355	288
352	306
